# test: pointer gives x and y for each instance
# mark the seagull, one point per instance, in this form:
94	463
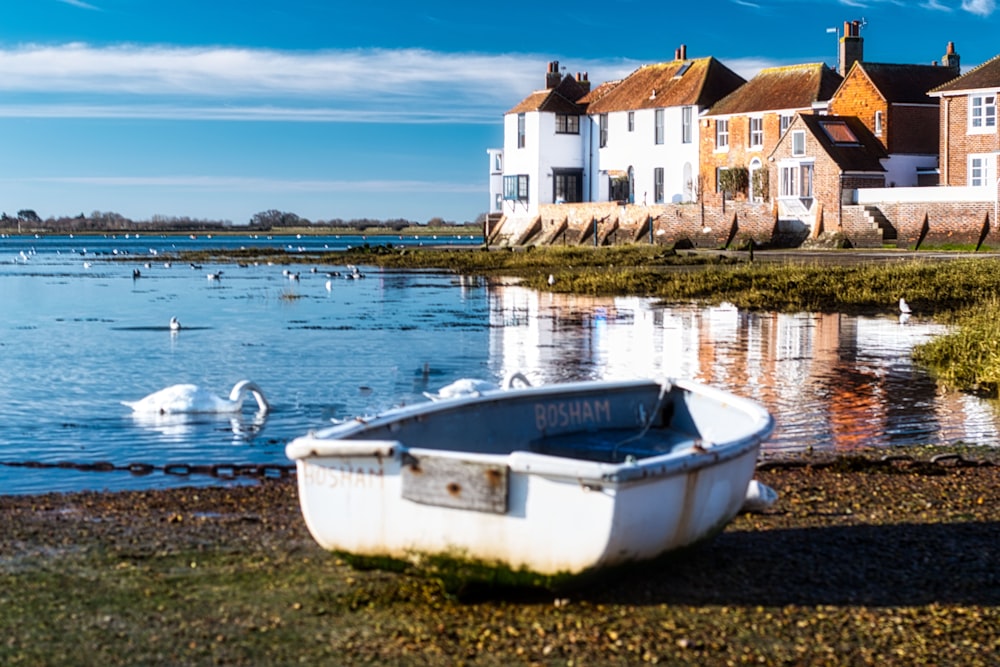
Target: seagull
466	387
215	276
552	280
904	307
175	324
136	274
192	399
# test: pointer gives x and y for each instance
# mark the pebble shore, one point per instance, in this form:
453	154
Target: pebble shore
860	561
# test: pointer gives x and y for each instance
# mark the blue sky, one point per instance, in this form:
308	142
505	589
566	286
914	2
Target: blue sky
219	109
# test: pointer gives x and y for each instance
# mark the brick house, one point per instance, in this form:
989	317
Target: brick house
817	161
893	102
969	139
743	128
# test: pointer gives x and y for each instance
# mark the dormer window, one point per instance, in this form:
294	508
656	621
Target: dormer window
878	124
838	132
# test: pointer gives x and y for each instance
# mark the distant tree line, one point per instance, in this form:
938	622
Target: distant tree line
27	220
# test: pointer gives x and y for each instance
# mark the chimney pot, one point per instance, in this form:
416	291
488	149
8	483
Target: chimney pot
684	52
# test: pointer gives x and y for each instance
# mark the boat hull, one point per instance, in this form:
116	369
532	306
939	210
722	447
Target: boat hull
515	506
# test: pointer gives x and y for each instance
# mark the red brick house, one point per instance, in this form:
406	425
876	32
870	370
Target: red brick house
817	162
893	102
741	129
969	139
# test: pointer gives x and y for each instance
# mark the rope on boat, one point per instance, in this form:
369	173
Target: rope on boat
660	402
217	470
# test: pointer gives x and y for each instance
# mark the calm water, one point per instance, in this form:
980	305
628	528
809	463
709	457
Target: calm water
76	340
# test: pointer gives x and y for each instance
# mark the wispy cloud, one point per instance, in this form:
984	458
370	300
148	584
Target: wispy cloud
934	5
81	4
404	85
979	7
237	184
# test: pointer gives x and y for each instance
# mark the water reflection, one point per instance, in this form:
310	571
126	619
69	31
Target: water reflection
834	382
182	427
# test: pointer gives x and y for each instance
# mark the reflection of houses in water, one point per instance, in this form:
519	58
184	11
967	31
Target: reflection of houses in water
833	381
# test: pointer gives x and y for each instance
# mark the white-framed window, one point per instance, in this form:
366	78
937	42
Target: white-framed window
795	179
602	123
515	187
631	121
879	123
756	132
983	113
798	143
722	135
521	139
658	185
498	163
686	118
658	126
786	122
567	124
982	170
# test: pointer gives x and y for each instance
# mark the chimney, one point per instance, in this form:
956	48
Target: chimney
552	77
852	47
681	53
950	59
583	80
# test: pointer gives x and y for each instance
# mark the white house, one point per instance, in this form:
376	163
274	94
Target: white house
645	139
544	140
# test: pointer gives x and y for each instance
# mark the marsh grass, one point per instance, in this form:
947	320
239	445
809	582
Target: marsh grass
967	359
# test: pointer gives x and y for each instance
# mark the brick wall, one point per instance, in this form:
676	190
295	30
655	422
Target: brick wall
857	96
957	143
693	225
931	223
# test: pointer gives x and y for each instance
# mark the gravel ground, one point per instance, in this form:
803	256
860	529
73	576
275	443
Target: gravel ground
860	562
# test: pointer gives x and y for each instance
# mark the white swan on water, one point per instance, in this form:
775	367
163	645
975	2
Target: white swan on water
472	387
192	399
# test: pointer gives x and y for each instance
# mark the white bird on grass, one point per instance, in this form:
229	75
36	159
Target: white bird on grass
465	387
192	399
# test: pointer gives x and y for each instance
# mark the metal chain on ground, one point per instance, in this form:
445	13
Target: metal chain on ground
217	470
897	461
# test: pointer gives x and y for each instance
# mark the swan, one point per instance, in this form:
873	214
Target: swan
192	399
760	497
465	387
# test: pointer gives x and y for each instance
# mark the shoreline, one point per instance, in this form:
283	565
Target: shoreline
861	560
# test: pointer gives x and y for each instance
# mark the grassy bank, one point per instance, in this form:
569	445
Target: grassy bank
857	563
